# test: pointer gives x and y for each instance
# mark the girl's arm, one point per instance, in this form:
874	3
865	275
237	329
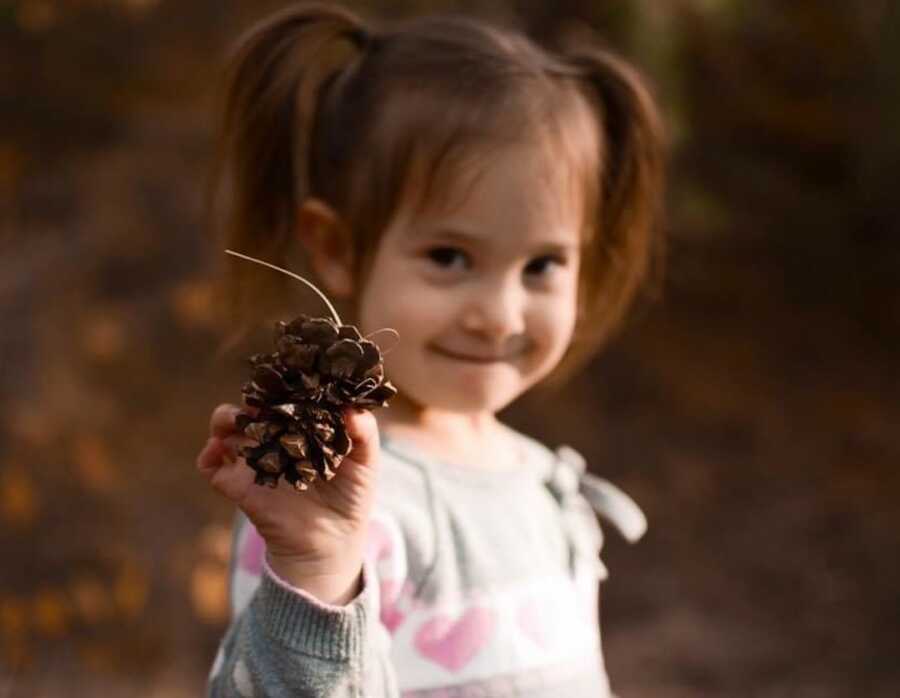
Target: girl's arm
297	636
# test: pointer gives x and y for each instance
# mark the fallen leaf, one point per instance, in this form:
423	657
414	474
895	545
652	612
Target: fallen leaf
209	591
29	423
51	613
91	601
131	589
97	657
94	465
36	15
139	7
192	304
12	162
104	337
13	617
19	503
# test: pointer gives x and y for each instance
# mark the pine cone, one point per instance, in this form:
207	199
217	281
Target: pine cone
300	392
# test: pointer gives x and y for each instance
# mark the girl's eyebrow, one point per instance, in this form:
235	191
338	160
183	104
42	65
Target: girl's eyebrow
454	233
462	235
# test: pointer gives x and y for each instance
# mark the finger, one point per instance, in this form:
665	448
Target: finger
232	445
211	456
362	428
215	455
231	477
221	423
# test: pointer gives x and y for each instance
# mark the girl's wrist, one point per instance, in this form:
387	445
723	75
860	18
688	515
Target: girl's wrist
336	586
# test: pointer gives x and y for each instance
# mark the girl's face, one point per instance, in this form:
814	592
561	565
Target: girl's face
483	295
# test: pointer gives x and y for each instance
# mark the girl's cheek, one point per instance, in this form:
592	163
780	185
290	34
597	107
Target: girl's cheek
555	319
419	294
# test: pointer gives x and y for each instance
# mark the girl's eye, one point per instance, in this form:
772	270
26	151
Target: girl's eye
541	265
448	257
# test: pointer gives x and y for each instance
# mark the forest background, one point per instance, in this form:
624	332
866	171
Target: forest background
751	409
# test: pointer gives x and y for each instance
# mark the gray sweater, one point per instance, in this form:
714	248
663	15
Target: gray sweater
476	582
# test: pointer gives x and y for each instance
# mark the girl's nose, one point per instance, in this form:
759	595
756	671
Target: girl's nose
496	311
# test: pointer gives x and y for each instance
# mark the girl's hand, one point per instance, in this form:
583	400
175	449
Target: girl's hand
314	539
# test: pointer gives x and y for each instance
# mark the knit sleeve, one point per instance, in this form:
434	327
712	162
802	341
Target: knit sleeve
284	642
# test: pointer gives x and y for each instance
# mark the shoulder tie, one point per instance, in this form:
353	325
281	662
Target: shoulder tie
569	477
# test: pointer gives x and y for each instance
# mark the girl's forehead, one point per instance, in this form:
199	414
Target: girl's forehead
521	192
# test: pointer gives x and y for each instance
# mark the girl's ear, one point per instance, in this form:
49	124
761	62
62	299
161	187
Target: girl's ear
329	244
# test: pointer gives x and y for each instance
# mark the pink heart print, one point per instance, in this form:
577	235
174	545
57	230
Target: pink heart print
391	614
252	553
454	642
378	544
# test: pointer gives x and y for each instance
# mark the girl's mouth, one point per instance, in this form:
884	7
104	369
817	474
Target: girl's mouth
472	358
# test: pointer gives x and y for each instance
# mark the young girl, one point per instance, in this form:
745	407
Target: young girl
494	203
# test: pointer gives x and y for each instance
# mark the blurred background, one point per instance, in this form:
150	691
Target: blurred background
752	409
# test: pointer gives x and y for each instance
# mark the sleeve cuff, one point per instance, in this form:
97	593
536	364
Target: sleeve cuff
304	624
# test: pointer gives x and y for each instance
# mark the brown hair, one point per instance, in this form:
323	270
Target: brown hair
320	104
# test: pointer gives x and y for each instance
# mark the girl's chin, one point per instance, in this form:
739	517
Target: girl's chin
456	385
468	397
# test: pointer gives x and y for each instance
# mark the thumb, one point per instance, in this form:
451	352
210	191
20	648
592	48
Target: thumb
362	428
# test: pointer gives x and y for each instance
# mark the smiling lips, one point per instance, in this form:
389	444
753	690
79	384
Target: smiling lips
486	359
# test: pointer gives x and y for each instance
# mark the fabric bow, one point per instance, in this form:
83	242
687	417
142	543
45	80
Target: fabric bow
569	477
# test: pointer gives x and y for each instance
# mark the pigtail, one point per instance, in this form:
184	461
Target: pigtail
279	72
627	212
